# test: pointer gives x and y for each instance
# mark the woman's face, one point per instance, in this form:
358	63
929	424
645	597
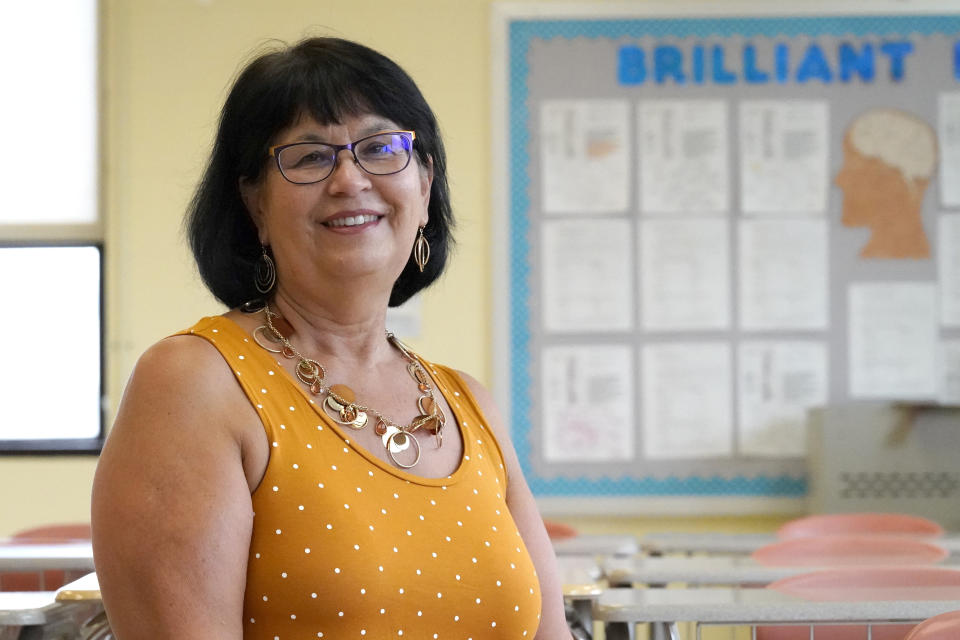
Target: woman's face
351	225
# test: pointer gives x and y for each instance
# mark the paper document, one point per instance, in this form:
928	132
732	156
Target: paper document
587	283
948	126
683	157
783	274
687	410
893	340
584	154
588	403
948	233
779	381
784	157
685	274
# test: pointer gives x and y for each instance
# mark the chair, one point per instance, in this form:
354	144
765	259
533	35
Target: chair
846	550
945	626
862	523
895	583
558	530
51	578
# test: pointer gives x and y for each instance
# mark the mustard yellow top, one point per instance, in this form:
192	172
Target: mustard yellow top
347	546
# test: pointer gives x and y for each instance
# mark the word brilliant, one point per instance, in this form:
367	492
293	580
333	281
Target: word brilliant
701	64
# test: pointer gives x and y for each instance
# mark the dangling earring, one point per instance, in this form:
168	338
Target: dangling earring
421	251
264	272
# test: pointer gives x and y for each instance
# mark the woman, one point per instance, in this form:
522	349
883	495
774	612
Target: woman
288	470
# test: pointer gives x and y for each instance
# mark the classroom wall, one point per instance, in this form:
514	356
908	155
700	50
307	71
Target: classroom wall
166	65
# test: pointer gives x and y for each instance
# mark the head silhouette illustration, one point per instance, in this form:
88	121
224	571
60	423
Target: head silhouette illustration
888	159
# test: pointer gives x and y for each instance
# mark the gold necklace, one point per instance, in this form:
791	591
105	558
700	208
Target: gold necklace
341	402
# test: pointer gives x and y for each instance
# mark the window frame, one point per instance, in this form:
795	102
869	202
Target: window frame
66	446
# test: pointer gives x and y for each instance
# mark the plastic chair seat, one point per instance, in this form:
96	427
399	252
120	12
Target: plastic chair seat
847	550
945	626
860	523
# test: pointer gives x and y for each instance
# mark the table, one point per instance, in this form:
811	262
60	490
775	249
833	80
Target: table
16	556
742	543
621	609
698	570
597	545
37	614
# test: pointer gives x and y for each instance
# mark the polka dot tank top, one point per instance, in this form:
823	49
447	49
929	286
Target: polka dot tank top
347	546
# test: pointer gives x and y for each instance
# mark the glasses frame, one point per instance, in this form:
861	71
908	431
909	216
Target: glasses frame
277	149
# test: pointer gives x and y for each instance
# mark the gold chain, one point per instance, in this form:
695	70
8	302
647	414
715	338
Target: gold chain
342	403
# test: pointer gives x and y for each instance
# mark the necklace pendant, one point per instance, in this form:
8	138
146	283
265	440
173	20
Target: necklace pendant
381	428
288	353
316	387
395	440
344	392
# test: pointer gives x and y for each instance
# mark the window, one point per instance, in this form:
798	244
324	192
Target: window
51	368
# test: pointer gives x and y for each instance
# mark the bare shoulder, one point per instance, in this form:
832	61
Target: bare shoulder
171	494
488	405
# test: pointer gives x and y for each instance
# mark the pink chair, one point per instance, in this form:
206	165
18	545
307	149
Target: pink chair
862	523
858	584
847	550
50	578
558	530
945	626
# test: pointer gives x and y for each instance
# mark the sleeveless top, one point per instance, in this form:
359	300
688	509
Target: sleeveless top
345	545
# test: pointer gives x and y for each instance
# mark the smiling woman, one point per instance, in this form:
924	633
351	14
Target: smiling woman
290	469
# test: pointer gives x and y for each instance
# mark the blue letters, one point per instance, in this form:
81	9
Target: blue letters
784	62
814	65
631	65
721	75
897	51
851	61
781	54
668	61
698	63
750	71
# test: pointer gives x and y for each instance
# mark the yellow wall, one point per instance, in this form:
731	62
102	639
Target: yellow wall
166	65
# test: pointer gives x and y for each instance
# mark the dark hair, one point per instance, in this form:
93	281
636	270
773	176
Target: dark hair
329	79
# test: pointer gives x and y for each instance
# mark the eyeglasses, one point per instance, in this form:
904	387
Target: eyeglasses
380	154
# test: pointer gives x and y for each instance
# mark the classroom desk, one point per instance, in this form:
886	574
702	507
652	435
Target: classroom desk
620	610
698	570
15	556
597	545
37	614
740	543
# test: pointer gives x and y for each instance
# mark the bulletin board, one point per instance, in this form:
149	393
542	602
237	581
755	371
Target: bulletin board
710	218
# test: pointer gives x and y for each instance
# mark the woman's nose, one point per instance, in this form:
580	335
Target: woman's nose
347	176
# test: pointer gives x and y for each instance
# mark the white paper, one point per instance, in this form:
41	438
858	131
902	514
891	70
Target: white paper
584	153
779	381
587	284
893	340
949	138
685	274
949	372
683	156
784	157
948	234
588	405
686	398
783	274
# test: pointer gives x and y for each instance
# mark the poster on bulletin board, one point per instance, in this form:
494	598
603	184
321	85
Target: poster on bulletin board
710	218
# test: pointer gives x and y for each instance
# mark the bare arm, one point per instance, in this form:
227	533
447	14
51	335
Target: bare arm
523	508
171	503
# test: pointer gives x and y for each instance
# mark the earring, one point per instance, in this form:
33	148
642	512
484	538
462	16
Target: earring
264	272
421	251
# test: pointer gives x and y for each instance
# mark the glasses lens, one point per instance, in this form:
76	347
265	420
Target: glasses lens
384	153
306	162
